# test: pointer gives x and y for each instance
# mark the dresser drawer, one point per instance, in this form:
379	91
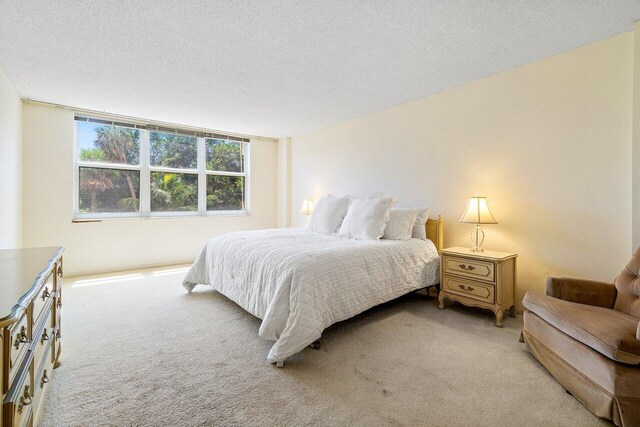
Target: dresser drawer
59	275
57	323
18	403
43	298
41	384
17	343
480	270
474	290
43	336
57	301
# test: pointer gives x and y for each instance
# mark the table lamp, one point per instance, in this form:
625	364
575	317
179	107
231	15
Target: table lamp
477	213
307	207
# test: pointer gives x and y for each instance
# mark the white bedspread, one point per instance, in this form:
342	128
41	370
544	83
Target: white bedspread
300	282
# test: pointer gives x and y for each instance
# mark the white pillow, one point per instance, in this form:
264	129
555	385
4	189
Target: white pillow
400	224
419	230
366	219
328	214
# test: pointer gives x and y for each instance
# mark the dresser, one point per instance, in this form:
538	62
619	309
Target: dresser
30	330
480	279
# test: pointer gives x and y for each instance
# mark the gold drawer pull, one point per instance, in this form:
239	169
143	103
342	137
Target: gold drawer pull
467	267
45	336
58	335
21	338
45	294
25	400
467	288
44	379
59	302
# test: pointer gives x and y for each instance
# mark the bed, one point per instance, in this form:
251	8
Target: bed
299	282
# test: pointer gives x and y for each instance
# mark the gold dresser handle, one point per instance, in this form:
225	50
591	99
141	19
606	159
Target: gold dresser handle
59	302
45	336
467	267
45	294
21	338
25	400
44	379
467	288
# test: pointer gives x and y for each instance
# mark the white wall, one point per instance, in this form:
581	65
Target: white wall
126	243
10	165
548	143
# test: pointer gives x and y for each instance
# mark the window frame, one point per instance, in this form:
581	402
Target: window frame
145	168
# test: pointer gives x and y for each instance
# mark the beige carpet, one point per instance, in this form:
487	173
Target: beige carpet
138	350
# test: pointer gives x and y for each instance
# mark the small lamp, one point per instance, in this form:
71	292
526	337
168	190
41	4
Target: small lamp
477	213
307	207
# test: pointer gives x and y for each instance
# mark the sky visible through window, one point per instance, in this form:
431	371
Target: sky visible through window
86	135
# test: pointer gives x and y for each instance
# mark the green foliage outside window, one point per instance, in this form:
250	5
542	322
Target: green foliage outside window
224	156
111	190
171	192
225	193
173	151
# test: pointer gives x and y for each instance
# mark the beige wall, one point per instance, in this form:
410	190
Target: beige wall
548	143
10	165
636	137
284	181
126	243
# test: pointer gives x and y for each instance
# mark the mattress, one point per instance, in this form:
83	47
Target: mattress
299	282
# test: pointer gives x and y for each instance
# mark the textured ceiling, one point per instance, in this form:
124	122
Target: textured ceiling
278	68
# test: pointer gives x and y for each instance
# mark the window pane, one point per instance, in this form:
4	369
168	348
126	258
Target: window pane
172	192
109	190
225	193
224	156
108	144
173	151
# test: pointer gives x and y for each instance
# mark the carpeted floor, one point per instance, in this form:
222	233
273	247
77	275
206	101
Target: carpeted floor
139	351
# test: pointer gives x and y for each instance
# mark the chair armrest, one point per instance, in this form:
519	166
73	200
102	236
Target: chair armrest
581	291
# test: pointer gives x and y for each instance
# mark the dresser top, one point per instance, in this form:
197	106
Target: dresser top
21	272
489	255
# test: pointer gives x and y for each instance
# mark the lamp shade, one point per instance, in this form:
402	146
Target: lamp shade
307	207
477	212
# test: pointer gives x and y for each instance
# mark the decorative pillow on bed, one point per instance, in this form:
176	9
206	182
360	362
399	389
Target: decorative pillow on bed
328	214
419	230
400	224
366	219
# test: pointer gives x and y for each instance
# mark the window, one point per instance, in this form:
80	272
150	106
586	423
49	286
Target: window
225	175
128	170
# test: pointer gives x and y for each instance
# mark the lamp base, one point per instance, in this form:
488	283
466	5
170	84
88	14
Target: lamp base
477	238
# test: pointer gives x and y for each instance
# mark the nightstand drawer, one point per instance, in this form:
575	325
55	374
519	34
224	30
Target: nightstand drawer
468	288
480	270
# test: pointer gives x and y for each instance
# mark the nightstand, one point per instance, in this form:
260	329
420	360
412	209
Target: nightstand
479	279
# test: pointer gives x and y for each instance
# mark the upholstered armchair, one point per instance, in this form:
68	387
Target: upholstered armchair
587	335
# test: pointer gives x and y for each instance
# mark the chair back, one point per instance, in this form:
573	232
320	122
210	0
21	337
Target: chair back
628	286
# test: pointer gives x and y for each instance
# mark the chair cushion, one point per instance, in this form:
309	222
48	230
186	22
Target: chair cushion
607	331
628	286
617	379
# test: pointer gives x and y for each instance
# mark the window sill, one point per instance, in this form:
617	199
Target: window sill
195	215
